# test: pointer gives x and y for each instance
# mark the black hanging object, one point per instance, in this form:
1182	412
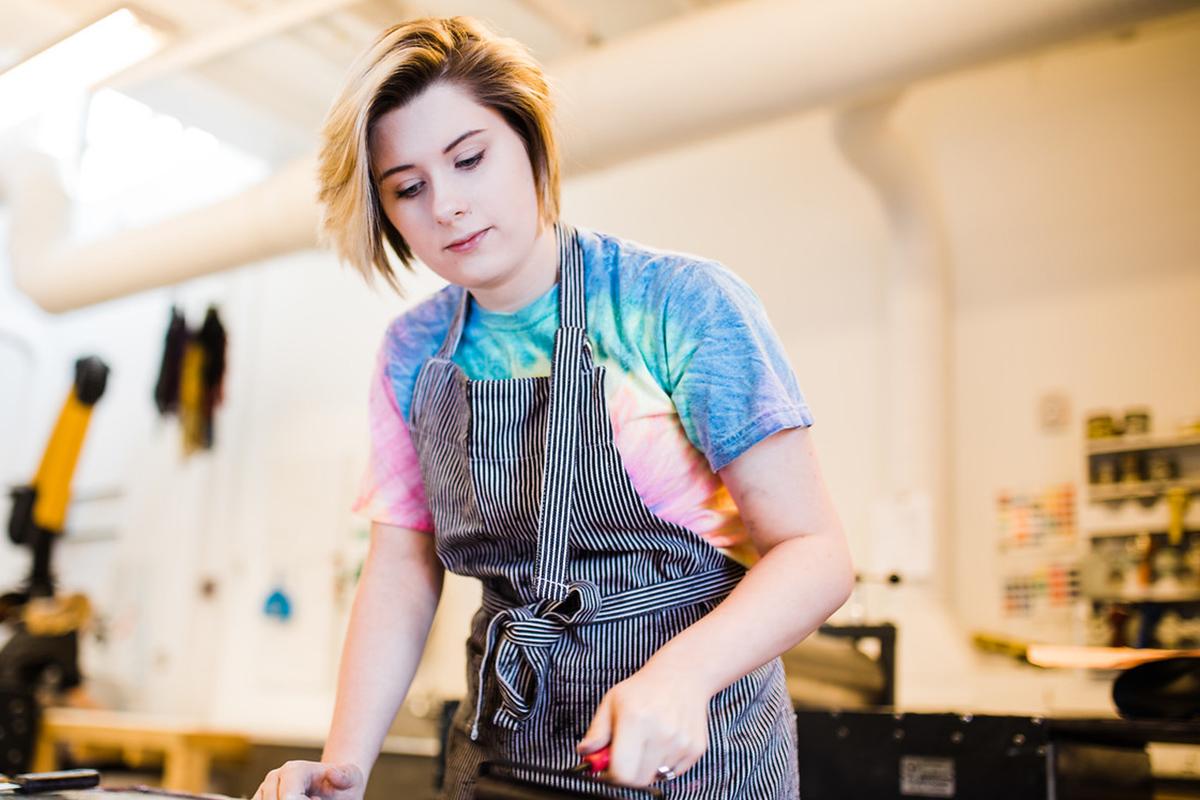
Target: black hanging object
212	339
166	390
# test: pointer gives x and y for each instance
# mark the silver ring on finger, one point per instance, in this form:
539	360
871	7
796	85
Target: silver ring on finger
667	773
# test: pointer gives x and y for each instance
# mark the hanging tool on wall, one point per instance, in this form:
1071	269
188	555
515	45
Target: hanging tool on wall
191	377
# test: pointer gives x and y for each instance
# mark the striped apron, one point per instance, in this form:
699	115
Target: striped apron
582	582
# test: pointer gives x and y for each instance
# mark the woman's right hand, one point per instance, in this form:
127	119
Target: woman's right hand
300	779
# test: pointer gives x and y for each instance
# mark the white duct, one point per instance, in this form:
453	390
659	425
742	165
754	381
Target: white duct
707	73
913	511
277	216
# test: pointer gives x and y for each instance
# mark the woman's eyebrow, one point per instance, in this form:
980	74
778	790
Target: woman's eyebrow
445	150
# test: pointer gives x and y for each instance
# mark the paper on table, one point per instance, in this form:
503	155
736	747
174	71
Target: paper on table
1080	657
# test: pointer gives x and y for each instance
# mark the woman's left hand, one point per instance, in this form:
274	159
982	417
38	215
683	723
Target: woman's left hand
650	721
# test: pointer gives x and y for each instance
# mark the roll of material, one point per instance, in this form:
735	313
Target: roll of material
1168	688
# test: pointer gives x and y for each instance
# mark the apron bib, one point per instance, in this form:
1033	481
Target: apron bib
582	582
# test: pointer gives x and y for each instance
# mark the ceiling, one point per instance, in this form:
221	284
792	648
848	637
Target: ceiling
260	73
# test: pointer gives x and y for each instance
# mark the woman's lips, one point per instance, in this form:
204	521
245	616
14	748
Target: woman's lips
469	244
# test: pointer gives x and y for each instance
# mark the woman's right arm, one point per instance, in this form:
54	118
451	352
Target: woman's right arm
393	609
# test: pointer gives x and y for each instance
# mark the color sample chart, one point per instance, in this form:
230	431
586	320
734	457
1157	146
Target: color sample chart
1037	540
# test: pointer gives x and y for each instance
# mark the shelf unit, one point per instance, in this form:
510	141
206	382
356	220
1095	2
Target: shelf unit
1135	490
1125	522
1135	444
1191	596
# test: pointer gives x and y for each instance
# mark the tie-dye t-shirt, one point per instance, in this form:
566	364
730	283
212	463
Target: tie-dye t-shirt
695	377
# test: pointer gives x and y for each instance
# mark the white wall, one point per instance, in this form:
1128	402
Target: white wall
1071	187
1072	190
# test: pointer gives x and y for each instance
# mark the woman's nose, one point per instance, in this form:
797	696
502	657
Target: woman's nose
448	205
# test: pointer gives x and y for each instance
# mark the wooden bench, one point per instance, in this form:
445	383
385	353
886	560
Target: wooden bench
186	749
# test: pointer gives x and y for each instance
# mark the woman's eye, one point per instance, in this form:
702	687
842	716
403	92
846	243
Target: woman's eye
470	163
415	189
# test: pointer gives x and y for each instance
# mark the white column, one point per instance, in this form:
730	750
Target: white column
911	534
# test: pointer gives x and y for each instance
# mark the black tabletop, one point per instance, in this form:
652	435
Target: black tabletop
1118	731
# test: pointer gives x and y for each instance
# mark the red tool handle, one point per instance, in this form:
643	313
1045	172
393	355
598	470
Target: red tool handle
596	762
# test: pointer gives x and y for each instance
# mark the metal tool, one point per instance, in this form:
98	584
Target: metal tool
502	780
36	782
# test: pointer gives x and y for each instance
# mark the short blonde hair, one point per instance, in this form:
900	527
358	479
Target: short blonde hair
405	60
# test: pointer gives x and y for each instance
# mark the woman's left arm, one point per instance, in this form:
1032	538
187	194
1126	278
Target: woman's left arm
658	716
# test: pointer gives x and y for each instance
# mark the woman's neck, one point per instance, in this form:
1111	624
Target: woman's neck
529	281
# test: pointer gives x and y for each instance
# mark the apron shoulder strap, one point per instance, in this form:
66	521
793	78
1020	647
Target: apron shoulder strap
450	343
569	371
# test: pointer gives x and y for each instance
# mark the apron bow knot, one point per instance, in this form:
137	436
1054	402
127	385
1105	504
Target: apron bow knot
517	650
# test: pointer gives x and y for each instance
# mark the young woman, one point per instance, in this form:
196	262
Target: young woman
607	435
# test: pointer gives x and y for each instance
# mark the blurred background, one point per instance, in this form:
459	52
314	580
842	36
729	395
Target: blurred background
975	226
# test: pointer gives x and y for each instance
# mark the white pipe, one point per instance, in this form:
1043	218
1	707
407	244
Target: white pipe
916	333
707	73
276	216
741	63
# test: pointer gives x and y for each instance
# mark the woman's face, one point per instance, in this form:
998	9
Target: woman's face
448	168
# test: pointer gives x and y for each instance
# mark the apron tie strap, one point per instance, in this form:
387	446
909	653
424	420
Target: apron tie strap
519	638
517	646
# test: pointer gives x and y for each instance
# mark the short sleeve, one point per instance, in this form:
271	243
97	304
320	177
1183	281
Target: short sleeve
728	374
391	490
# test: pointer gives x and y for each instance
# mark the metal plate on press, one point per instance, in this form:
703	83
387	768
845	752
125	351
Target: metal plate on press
924	776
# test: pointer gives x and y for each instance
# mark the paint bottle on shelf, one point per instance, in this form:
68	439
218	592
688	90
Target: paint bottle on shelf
1137	421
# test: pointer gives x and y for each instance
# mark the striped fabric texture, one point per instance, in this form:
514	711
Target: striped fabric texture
582	582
